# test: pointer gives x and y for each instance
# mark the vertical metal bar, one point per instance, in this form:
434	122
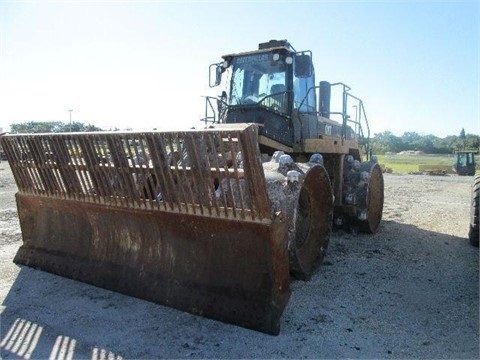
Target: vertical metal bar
162	163
57	168
152	182
158	164
78	163
107	173
136	168
177	178
35	151
32	169
67	171
142	169
254	176
92	164
93	158
215	155
196	176
44	157
234	154
227	175
134	193
150	187
22	166
89	158
102	170
122	179
186	182
21	176
208	183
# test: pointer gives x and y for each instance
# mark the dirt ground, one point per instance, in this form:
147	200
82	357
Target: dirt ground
409	291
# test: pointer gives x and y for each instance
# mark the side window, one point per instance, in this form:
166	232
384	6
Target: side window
301	85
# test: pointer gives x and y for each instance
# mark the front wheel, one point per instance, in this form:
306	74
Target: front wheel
313	224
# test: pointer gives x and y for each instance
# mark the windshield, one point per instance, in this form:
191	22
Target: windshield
259	79
464	159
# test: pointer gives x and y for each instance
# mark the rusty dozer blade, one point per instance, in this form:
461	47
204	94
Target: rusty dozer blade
178	218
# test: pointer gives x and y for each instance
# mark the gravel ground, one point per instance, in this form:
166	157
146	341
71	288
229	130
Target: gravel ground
410	291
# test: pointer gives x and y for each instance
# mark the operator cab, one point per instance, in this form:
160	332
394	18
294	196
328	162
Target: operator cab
464	163
274	86
265	77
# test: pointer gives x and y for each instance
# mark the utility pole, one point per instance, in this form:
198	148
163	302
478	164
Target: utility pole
70	117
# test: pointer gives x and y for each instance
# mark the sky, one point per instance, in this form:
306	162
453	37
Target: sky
144	64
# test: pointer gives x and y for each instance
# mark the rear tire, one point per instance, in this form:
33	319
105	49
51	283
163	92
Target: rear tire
473	234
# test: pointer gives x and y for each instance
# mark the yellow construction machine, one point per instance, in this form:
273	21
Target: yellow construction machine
214	221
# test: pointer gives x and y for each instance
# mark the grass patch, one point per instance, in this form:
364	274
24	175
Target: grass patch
409	163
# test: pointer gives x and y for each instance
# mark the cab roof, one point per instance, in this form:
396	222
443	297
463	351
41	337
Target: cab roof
272	45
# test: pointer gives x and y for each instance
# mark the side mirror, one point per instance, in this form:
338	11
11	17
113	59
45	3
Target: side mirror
215	74
303	65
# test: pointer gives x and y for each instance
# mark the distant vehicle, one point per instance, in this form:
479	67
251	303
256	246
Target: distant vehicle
464	163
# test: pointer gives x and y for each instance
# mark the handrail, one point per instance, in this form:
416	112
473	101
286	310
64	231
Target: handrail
360	120
208	105
222	106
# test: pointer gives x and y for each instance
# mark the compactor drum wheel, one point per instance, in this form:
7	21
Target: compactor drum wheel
313	223
473	234
363	194
303	192
373	199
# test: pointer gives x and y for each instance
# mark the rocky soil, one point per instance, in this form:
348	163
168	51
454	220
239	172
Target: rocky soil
409	291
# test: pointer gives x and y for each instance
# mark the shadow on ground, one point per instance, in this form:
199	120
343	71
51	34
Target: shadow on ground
380	296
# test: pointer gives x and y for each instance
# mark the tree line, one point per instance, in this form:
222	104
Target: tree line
381	143
386	142
35	127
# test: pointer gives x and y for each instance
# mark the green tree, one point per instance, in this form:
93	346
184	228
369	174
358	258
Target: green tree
472	142
51	126
441	146
413	141
430	144
385	142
